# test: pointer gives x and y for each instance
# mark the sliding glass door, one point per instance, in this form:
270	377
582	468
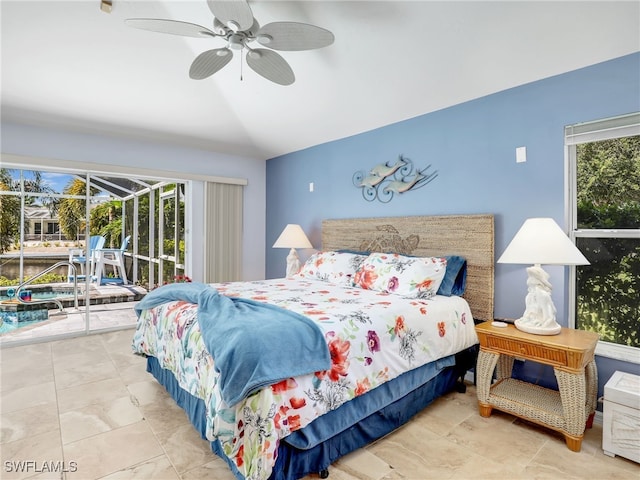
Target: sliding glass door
77	250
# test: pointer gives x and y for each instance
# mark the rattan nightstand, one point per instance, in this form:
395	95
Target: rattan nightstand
569	410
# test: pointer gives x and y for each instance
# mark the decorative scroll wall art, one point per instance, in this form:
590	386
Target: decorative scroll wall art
385	180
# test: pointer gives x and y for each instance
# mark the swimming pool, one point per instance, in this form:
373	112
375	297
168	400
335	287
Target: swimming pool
15	315
6	327
48	295
13	312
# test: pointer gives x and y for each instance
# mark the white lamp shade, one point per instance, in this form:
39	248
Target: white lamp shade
542	241
292	237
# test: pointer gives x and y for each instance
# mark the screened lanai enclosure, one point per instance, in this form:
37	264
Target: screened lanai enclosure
87	243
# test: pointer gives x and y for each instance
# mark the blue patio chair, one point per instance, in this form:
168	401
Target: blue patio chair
77	256
113	257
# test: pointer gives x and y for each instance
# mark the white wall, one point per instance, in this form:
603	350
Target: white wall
116	154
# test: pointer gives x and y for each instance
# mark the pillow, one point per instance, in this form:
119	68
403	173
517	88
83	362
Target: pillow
414	277
334	267
455	278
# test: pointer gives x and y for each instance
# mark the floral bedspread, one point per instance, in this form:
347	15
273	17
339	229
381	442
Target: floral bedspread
373	337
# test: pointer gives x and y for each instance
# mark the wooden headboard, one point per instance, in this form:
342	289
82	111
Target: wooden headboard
470	236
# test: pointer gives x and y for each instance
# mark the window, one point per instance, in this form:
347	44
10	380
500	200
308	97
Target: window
604	196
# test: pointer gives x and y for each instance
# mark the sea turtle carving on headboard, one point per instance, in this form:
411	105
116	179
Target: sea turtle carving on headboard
390	240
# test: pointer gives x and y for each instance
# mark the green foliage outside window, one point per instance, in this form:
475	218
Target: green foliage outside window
608	194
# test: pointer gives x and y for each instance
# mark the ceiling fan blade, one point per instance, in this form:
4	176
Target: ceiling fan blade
173	27
271	66
294	36
235	14
209	62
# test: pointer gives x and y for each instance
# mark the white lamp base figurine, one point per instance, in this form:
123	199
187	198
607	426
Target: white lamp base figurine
540	314
293	263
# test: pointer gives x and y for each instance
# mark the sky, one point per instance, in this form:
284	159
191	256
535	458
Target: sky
56	181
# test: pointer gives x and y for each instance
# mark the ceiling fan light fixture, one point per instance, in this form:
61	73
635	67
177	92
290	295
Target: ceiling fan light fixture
236	41
233	22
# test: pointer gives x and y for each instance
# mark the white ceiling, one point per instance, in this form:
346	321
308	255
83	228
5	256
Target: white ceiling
70	65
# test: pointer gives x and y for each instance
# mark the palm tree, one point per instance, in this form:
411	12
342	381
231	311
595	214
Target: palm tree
71	211
9	212
10	209
106	220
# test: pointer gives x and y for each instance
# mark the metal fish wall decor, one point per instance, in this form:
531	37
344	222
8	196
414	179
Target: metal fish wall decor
385	180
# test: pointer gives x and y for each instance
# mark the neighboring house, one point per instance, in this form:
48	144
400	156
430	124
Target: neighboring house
42	225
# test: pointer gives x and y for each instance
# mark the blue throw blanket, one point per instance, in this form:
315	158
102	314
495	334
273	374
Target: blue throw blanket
253	344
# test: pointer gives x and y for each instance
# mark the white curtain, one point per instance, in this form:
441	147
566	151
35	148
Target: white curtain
223	230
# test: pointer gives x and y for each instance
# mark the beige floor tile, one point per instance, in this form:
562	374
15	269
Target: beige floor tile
90	345
148	391
89	393
118	423
112	451
57	472
185	448
164	415
118	344
217	469
98	418
364	464
27	397
72	375
405	450
70	360
478	467
26	422
447	412
135	372
14	375
336	473
554	460
35	449
158	468
36	353
509	443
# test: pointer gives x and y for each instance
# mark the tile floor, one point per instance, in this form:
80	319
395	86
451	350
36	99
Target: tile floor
89	403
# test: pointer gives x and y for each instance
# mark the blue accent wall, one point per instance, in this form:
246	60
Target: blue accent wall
472	145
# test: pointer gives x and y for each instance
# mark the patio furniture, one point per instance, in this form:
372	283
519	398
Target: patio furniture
115	258
77	256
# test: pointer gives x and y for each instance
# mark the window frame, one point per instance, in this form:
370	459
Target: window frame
587	132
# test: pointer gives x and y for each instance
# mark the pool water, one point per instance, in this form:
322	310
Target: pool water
18	315
7	327
42	296
15	315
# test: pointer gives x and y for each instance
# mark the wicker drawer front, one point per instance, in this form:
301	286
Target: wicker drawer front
531	351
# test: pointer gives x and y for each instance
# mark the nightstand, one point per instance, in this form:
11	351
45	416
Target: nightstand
571	353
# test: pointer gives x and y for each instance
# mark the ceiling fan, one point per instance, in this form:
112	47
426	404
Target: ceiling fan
235	24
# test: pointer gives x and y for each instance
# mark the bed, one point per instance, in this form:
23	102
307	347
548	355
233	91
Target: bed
317	365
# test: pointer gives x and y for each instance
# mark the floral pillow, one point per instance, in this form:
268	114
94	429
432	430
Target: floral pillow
415	277
334	267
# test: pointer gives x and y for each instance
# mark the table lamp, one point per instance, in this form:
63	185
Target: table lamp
540	241
292	237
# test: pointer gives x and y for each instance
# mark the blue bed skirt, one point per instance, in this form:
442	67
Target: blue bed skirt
294	462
